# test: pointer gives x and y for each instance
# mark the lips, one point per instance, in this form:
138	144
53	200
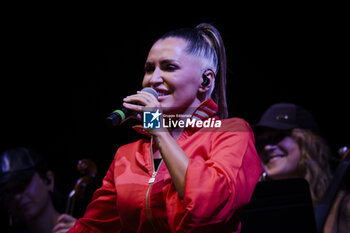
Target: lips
162	92
274	157
24	205
270	157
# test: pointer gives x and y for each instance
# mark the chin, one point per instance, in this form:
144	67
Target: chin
280	175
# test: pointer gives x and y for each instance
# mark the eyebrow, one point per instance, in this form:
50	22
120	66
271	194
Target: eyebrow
167	61
162	62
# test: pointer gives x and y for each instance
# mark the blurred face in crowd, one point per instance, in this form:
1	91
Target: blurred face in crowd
28	197
280	156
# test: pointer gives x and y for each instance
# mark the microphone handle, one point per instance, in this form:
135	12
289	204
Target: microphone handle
122	114
117	117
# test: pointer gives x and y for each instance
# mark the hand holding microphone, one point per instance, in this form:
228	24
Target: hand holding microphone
132	104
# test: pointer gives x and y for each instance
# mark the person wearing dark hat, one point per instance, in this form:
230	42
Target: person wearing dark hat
290	146
26	188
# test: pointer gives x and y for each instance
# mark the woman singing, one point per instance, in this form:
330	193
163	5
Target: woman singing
180	179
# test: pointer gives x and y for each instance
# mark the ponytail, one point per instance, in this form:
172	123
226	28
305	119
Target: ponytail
219	93
205	41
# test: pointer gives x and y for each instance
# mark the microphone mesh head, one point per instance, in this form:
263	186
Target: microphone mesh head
151	91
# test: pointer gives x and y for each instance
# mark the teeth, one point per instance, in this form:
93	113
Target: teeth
161	94
276	157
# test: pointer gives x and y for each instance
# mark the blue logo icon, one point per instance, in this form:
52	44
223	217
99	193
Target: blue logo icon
151	119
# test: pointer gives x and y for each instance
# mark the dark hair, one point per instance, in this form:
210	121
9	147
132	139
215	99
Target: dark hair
205	41
314	161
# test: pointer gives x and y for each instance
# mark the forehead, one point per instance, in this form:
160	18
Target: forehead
170	48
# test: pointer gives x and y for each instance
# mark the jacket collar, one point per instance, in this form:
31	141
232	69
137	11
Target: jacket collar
206	109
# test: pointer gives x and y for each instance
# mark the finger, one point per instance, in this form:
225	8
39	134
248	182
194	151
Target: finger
58	227
133	107
63	226
149	95
66	218
144	98
140	99
61	230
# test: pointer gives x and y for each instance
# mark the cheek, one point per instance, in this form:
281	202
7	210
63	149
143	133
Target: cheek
39	194
145	81
294	157
187	84
185	95
291	163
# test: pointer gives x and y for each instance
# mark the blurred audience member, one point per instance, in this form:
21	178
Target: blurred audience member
27	190
289	146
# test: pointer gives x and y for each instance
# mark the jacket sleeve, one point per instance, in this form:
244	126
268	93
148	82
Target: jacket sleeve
101	214
221	180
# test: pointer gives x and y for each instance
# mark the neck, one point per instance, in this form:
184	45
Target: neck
45	221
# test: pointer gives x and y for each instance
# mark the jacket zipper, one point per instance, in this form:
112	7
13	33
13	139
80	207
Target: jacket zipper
151	181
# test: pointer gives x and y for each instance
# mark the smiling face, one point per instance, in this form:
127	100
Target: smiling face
30	200
281	160
174	74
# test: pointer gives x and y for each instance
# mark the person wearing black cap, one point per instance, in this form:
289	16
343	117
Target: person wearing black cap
26	188
289	144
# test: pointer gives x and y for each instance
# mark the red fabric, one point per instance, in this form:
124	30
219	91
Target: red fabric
222	173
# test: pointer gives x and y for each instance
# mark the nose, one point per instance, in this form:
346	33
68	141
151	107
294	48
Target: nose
155	79
267	151
269	147
17	196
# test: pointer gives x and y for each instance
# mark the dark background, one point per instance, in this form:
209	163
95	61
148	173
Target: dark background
63	73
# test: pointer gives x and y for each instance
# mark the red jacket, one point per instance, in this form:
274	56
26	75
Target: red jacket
222	172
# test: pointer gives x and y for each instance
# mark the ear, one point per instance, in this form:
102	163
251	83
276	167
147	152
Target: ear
50	180
207	82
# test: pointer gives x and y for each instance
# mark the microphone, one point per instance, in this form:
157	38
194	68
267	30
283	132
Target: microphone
119	115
